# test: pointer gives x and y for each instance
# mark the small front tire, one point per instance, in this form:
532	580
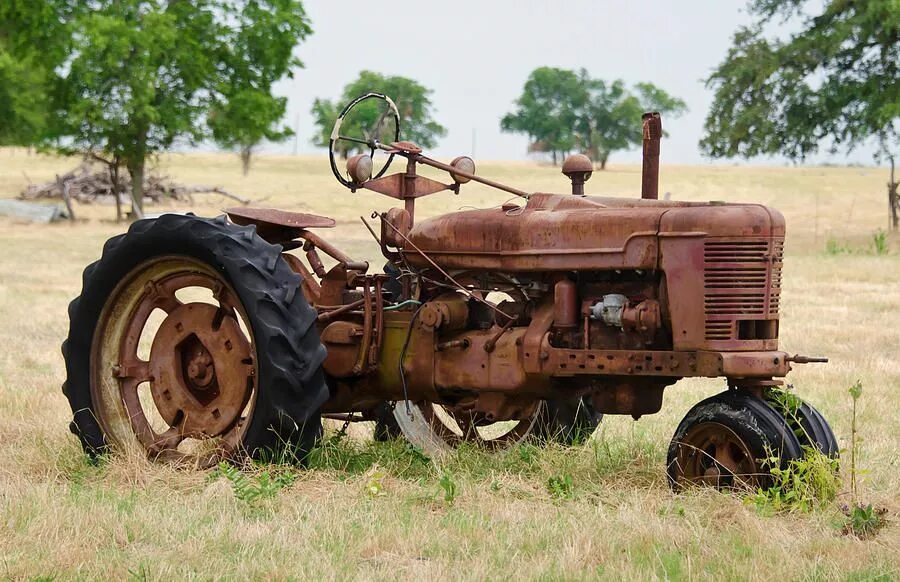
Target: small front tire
726	442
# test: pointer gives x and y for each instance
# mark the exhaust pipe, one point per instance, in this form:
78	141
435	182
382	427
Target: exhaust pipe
650	172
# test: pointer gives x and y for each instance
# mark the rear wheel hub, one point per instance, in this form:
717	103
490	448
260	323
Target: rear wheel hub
202	369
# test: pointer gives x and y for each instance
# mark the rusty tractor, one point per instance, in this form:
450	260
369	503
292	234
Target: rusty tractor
197	340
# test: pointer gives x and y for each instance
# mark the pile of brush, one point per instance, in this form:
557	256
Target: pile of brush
89	183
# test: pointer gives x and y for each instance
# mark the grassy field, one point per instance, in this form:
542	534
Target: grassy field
382	512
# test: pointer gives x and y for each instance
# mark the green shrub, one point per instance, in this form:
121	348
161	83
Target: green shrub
805	484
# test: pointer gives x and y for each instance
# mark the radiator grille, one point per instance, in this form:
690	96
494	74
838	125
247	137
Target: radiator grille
742	281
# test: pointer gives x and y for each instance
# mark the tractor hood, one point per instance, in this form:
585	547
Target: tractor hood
565	232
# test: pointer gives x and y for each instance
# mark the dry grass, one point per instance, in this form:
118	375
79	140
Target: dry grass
65	518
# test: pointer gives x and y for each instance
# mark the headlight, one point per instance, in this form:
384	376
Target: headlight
359	168
463	164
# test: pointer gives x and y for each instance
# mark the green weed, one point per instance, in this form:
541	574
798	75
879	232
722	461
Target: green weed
880	243
345	455
448	486
855	394
805	484
252	489
560	486
374	486
863	521
880	246
834	248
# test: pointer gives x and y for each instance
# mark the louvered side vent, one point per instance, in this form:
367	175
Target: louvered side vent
742	287
775	279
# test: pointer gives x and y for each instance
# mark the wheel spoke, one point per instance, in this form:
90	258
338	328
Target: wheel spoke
357	140
132	401
713	454
133	369
168	439
163	295
724	457
226	306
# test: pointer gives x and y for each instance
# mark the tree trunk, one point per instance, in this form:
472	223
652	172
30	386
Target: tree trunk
554	157
136	169
246	152
893	200
603	160
64	188
114	178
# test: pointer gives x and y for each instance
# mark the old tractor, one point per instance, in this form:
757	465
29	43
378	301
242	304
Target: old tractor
198	339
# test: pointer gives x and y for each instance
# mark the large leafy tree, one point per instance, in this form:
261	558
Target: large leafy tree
132	78
552	102
611	120
246	113
562	110
413	102
833	83
23	100
30	46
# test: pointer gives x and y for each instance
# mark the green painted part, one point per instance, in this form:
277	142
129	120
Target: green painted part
402	304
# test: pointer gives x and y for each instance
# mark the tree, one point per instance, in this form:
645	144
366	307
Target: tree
562	110
30	47
834	82
612	118
413	101
247	112
131	78
552	102
23	100
248	117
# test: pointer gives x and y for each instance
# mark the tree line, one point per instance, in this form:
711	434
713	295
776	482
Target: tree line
123	80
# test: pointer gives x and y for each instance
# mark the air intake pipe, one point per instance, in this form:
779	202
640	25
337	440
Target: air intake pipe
650	173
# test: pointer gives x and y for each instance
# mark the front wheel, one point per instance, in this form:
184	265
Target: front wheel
807	423
191	342
726	442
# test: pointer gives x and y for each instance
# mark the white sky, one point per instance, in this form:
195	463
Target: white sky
476	55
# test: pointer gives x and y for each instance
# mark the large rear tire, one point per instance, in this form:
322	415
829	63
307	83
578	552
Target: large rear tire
235	375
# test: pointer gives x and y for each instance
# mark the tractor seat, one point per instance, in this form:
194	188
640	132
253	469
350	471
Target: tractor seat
277	226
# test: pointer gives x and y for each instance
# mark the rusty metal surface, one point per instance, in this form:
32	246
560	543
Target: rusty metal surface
713	454
277	226
201	369
456	424
652	133
551	233
578	168
396	186
698	288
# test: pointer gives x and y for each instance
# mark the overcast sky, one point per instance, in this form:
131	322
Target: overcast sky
476	55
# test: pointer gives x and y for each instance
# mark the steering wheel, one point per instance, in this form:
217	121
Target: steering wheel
371	137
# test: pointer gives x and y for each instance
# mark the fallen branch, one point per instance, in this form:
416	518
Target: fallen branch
86	185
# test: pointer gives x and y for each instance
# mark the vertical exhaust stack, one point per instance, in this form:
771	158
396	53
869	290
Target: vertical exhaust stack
650	173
